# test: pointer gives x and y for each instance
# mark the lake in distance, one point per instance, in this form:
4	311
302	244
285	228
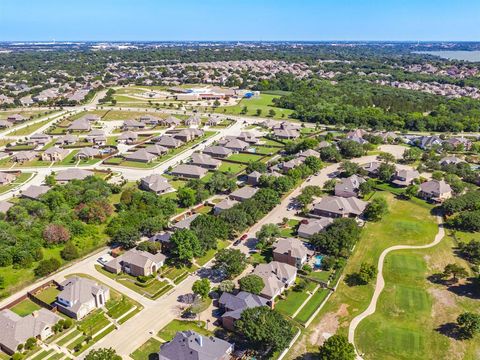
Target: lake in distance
472	56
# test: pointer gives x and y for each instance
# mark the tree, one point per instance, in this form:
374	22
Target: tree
338	238
185	245
231	261
386	171
46	267
386	157
186	196
251	283
126	236
470	250
30	343
226	286
258	112
469	324
265	327
201	287
267	234
455	270
349	168
209	229
56	234
314	163
329	185
69	251
411	155
337	347
367	272
350	149
103	354
376	209
271	113
366	187
153	247
330	153
411	191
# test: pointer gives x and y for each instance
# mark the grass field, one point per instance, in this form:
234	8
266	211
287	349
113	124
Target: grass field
24	176
293	300
263	103
408	222
231	168
312	305
48	295
244	158
169	331
29	129
148	351
25	307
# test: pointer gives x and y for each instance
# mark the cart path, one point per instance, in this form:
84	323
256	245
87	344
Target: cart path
380	284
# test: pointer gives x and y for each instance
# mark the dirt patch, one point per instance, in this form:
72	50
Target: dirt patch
328	326
443	298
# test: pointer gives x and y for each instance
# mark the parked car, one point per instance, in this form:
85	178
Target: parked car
244	237
237	242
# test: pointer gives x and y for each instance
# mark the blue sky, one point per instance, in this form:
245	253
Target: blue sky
239	20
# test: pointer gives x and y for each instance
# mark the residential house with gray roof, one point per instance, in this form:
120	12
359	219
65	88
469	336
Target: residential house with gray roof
128	137
291	251
189	345
405	177
33	192
349	186
168	141
189	171
225	204
187	135
54	154
87	153
205	161
64	176
141	155
24	156
80	296
81	124
136	263
216	151
435	190
244	193
155	183
235	304
6	178
15	330
337	206
277	277
310	227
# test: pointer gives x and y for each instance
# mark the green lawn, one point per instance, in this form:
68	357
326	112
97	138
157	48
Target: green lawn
169	331
147	351
119	306
93	322
48	295
211	253
262	102
24	176
245	158
25	307
293	300
312	305
69	337
29	129
231	168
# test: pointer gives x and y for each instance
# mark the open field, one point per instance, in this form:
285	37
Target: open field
263	103
408	222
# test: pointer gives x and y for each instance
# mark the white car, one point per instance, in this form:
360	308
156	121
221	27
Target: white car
104	259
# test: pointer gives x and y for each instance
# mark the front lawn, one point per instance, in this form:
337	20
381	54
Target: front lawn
169	331
148	351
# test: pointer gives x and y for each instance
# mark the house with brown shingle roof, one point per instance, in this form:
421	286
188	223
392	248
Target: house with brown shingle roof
128	137
310	227
168	141
291	251
217	151
54	154
277	277
33	192
155	183
141	155
405	177
6	178
64	176
205	161
348	187
336	206
435	190
81	124
244	193
136	263
189	171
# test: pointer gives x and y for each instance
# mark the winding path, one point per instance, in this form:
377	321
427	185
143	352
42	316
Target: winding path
380	284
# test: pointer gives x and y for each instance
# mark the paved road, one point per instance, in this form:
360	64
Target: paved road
380	284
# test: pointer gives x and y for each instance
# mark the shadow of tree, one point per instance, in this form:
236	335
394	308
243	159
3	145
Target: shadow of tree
307	356
450	329
470	289
354	279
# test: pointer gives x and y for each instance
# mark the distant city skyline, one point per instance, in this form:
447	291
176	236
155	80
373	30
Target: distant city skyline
248	20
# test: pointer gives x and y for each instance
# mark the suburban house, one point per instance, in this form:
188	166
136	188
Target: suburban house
308	153
68	139
405	177
64	176
16	118
133	125
213	121
39	139
189	171
371	168
97	137
243	193
233	305
128	137
79	296
187	135
291	251
458	142
156	149
141	155
81	124
6	178
349	186
155	183
15	330
426	142
435	190
276	276
54	154
136	263
92	117
450	160
205	161
248	137
310	227
291	164
5	124
253	178
286	133
218	151
189	345
87	153
356	134
170	121
185	223
5	206
225	204
193	121
149	120
33	192
336	206
163	238
24	156
168	142
236	145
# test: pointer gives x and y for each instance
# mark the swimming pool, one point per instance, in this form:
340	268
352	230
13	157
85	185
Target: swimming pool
318	261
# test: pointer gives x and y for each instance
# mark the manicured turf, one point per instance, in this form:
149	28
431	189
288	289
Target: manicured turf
69	337
291	303
117	307
263	102
25	307
30	129
244	158
169	331
48	295
312	305
211	253
231	168
148	351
